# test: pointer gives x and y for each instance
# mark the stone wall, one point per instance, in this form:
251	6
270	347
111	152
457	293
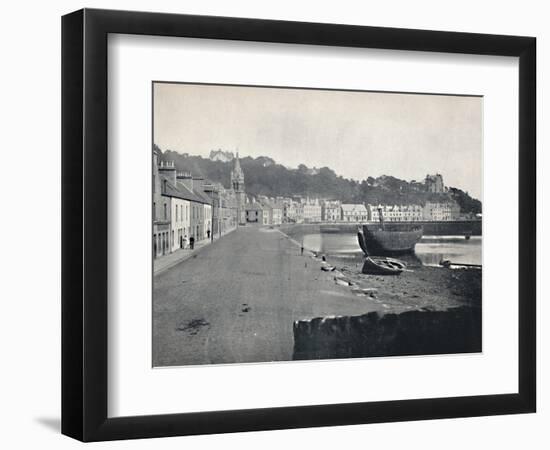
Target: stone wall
456	330
431	228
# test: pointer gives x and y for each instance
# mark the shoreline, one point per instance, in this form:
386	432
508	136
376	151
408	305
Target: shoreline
238	301
421	287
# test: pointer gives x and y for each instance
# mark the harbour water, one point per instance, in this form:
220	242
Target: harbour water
429	251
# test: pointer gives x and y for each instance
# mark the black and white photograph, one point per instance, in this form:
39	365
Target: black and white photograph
314	224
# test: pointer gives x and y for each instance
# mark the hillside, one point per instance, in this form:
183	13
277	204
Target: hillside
263	176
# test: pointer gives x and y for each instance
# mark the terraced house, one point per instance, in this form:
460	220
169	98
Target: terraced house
354	213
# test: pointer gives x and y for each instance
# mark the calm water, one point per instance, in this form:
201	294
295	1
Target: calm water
429	251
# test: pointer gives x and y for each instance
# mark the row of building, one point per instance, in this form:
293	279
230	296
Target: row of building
188	210
274	211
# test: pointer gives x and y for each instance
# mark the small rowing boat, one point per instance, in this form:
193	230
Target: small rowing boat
375	265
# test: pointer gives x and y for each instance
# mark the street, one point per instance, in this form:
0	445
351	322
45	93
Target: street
235	301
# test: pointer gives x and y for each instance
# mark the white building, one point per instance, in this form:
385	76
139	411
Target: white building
220	155
331	211
312	210
354	212
293	211
396	213
180	223
276	213
441	211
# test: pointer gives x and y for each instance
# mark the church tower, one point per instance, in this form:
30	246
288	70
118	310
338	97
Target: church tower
237	184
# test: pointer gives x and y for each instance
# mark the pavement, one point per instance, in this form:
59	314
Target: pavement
236	300
167	261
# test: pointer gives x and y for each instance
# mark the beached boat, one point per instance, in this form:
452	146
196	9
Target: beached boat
378	265
375	265
389	239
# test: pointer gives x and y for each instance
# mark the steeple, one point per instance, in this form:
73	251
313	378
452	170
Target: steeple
237	167
237	176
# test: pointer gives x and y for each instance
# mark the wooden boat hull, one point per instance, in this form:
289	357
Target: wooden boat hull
392	240
382	266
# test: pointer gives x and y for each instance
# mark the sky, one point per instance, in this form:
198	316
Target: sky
356	134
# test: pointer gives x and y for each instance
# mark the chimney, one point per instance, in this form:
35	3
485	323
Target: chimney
186	179
198	182
168	169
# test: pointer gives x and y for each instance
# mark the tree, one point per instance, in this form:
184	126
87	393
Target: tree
263	176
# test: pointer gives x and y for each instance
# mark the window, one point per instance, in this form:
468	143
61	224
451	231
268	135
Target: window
165	212
154	211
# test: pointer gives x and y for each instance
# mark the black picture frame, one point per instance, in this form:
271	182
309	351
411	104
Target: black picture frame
84	224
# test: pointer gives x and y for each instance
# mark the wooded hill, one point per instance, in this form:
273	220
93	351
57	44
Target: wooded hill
263	176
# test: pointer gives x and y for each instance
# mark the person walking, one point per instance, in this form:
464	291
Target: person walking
192	242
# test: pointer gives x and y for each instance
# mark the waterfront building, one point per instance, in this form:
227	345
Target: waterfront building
237	184
311	210
161	213
254	213
215	192
228	211
434	183
293	211
205	223
266	214
276	213
186	188
180	221
331	211
186	207
441	211
223	208
269	210
287	212
396	213
354	212
175	207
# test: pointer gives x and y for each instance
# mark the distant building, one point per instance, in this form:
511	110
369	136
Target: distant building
434	183
311	210
293	211
220	155
228	210
396	213
254	213
215	191
276	214
441	211
354	212
331	211
203	225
